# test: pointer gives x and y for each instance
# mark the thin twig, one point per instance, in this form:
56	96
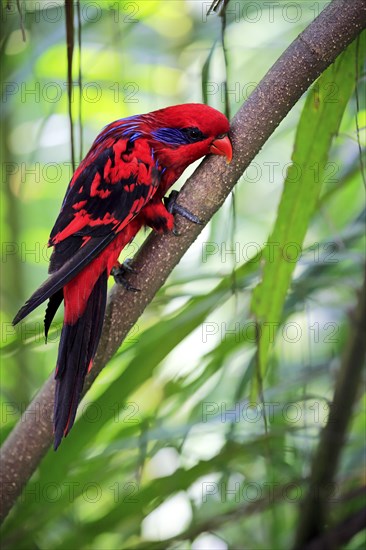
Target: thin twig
222	14
80	84
69	19
358	129
21	20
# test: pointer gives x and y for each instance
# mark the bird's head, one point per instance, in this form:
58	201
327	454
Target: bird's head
177	135
182	134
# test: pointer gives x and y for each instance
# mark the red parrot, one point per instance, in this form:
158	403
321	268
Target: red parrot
118	188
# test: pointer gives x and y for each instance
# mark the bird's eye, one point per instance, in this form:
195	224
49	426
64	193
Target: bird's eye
179	136
194	134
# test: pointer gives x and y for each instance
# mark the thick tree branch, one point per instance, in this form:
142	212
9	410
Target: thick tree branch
306	58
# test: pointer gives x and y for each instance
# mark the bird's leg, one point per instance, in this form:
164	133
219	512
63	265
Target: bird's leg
174	208
119	272
157	216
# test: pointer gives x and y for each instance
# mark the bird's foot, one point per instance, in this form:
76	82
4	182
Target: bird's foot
174	208
119	273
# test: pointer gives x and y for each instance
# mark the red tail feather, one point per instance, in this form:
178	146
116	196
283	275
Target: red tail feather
77	348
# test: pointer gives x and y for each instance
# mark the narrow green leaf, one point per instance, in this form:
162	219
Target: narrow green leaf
319	122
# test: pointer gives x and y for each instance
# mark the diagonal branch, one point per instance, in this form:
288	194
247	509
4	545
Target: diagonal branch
314	509
305	59
341	534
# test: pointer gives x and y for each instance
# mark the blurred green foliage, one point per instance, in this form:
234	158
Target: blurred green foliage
170	448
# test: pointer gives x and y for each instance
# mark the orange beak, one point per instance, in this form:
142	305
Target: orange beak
222	146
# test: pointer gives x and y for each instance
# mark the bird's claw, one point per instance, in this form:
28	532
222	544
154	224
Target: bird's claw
174	208
128	267
119	273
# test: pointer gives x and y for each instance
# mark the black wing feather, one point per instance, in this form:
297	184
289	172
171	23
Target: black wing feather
72	254
64	275
53	304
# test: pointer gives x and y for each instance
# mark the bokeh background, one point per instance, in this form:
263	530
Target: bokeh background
172	448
